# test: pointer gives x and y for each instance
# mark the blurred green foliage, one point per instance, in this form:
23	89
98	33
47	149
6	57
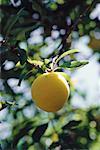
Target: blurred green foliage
31	128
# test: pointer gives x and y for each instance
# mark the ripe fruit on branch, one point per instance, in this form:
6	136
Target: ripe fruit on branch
50	91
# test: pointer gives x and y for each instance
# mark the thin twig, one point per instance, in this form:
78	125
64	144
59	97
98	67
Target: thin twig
84	13
73	26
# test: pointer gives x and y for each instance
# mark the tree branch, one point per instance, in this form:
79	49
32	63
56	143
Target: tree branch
7	74
73	26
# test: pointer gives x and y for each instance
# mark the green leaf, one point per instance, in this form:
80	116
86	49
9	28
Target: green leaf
71	124
39	131
47	61
2	106
23	76
67	53
54	145
35	62
22	132
8	89
74	64
12	21
22	56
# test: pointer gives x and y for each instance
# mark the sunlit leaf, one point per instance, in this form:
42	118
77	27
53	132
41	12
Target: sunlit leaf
74	64
35	62
67	53
2	106
55	137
